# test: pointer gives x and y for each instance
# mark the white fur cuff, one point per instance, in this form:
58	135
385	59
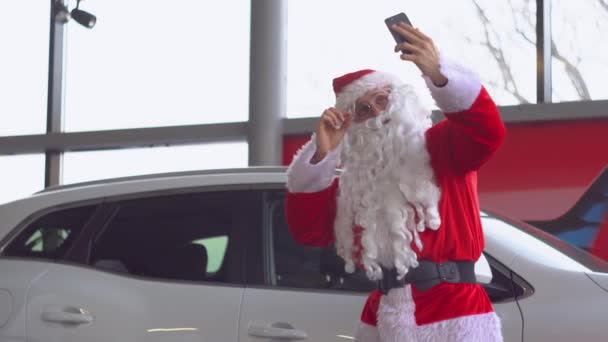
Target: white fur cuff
461	91
302	176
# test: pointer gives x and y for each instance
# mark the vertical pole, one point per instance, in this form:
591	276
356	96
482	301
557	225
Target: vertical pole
54	121
543	51
267	83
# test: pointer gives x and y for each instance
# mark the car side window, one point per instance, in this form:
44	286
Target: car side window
178	237
51	235
299	266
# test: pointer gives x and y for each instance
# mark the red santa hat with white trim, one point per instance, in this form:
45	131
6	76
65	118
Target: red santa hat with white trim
349	87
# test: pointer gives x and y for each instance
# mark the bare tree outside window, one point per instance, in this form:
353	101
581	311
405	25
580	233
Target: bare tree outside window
492	40
578	46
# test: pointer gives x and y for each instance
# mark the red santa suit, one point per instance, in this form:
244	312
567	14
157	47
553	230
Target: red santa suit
458	147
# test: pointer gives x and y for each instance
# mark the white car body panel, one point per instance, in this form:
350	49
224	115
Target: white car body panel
306	311
561	288
559	298
16	277
601	279
309	311
507	243
125	308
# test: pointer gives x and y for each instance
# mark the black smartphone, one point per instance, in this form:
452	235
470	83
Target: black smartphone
397	18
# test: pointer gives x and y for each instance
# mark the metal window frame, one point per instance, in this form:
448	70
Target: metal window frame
266	125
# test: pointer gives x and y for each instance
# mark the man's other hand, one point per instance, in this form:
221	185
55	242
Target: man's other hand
330	131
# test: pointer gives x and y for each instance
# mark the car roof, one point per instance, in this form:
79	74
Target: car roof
13	213
253	170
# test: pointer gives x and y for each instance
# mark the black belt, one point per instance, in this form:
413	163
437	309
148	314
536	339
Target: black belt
429	274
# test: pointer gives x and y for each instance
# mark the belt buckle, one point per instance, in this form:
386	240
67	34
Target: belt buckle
448	272
383	284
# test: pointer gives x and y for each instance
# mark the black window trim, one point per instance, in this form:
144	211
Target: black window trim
518	283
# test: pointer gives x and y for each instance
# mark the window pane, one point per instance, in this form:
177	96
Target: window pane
24	66
158	63
174	237
86	166
22	175
580	67
216	250
50	236
299	266
348	35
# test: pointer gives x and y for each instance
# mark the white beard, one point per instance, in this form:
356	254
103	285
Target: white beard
387	187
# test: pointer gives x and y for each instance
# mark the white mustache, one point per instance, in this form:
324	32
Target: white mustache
377	122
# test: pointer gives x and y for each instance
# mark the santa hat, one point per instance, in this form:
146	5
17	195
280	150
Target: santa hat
349	87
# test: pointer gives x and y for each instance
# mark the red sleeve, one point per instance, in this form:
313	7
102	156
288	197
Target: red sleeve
310	216
471	136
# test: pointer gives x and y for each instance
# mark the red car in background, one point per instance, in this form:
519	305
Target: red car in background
585	225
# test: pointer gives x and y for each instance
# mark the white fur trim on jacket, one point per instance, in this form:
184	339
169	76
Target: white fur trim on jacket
397	323
302	176
461	91
366	333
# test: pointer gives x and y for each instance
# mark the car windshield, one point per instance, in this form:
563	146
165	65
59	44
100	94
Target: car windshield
584	258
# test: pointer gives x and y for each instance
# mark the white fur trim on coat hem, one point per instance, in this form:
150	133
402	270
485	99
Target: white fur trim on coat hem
460	92
473	328
397	323
396	320
302	176
366	333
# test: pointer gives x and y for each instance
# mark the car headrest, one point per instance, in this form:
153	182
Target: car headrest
184	262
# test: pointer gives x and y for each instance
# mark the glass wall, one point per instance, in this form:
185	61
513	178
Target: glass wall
86	166
158	63
22	175
580	45
24	63
495	37
153	63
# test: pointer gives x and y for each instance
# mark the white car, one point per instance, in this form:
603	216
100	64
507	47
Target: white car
206	256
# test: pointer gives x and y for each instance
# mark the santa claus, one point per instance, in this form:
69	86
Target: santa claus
405	208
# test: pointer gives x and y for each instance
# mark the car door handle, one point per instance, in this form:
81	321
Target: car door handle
69	316
279	330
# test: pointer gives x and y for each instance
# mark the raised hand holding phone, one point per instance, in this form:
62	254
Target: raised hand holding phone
419	49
